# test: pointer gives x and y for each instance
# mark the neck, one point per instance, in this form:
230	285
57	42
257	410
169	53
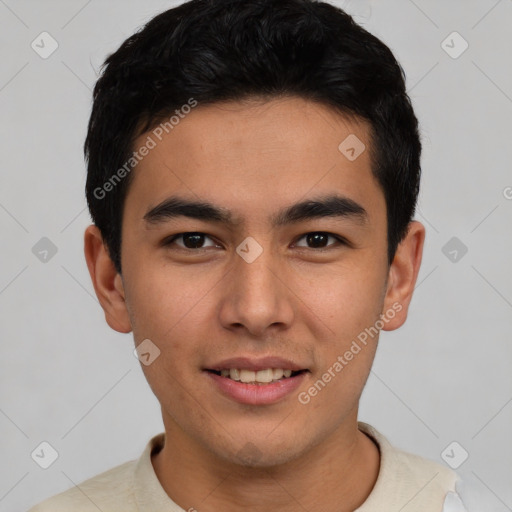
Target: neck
337	475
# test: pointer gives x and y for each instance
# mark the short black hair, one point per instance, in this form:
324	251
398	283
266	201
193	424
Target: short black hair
207	51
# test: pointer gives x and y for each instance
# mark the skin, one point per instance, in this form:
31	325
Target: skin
294	301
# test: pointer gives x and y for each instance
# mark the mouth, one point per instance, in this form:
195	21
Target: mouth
259	378
256	381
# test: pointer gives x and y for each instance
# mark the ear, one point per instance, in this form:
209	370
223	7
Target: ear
402	276
107	282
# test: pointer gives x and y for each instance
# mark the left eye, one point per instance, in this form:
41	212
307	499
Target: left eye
318	240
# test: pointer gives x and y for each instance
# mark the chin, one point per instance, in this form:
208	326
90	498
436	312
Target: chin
262	453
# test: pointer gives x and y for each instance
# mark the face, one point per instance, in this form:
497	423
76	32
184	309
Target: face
261	281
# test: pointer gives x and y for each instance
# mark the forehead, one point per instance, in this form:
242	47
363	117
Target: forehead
256	156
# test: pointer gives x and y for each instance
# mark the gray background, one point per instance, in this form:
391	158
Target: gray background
68	379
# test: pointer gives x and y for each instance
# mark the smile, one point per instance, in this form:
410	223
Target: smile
265	376
251	387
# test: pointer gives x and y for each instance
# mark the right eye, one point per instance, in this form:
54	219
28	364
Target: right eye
192	240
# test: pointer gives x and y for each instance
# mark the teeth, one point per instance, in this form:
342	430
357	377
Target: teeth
278	373
247	376
264	375
261	376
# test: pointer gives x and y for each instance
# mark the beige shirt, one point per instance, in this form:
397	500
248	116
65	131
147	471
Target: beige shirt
406	483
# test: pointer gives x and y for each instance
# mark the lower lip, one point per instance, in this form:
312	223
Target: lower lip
257	394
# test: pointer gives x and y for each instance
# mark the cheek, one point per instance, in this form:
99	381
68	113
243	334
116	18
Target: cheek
165	300
346	297
175	311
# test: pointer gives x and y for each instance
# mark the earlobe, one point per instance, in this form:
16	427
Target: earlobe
402	276
107	282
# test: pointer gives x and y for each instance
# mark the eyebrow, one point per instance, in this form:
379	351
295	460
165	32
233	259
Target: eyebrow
327	206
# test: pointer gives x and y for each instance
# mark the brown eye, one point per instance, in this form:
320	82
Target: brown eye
191	240
319	240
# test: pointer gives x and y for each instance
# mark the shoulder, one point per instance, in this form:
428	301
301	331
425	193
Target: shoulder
420	470
408	466
110	491
407	481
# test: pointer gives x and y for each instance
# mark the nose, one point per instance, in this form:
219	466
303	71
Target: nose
256	297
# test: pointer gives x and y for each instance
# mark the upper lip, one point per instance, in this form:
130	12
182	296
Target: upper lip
255	364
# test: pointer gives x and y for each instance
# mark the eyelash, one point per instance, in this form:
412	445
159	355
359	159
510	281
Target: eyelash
340	240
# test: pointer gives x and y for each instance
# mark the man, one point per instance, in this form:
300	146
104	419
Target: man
253	171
